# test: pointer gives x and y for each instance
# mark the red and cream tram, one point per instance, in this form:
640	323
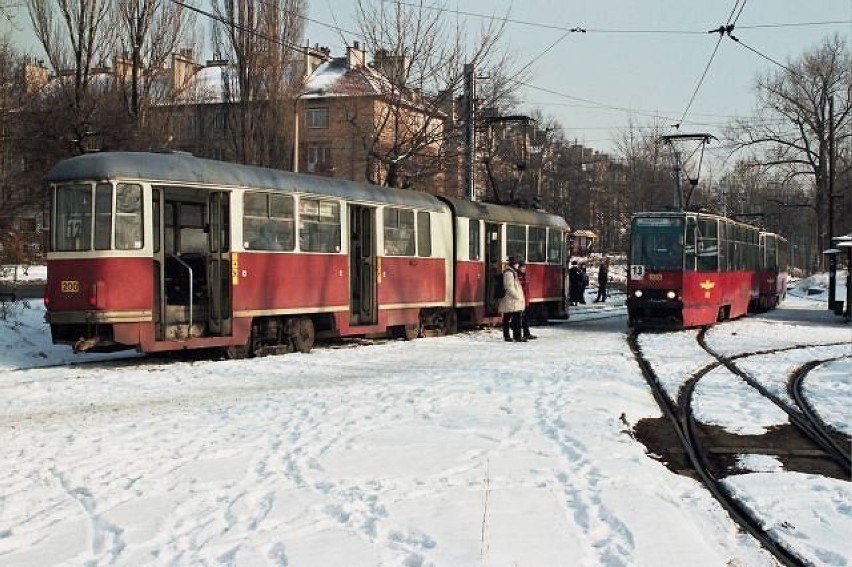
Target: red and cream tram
693	269
163	252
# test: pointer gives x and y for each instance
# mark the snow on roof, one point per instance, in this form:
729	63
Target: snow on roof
324	78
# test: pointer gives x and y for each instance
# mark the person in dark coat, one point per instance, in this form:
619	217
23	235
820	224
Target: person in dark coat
525	286
603	279
585	282
575	283
511	305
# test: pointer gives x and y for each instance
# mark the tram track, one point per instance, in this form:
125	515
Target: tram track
701	443
799	418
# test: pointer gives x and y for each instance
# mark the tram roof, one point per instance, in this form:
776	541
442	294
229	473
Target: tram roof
681	214
502	213
176	168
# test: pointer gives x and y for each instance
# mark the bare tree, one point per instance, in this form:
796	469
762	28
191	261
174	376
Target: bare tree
10	92
422	57
791	130
150	31
260	38
77	37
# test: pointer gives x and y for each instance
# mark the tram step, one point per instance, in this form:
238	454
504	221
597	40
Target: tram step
179	314
182	332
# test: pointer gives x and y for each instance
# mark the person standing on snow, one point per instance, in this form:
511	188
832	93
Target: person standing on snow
511	305
575	283
525	287
603	277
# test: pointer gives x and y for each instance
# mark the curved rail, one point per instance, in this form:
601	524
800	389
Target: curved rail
807	427
685	427
794	388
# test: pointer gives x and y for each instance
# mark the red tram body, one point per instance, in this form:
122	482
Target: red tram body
694	269
163	252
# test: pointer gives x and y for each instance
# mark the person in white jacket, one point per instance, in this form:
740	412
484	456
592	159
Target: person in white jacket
511	305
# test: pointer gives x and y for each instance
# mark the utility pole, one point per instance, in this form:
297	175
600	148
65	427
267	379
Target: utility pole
469	132
832	271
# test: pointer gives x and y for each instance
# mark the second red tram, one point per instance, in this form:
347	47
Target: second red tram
163	252
693	269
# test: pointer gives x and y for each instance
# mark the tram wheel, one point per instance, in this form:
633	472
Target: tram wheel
304	334
239	352
412	331
451	322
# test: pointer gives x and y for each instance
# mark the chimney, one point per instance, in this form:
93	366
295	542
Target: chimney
313	57
122	67
394	67
183	68
355	56
35	76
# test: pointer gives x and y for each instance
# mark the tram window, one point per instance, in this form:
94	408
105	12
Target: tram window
424	235
707	246
689	245
538	244
268	222
771	254
319	225
657	243
103	216
473	240
128	216
72	226
398	232
555	246
155	194
192	238
516	240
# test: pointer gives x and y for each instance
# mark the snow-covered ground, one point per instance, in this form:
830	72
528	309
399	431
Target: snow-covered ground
461	450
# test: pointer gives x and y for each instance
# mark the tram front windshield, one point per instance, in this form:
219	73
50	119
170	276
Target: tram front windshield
101	216
657	243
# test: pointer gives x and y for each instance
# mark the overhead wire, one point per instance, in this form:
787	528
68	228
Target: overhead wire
242	28
727	27
586	29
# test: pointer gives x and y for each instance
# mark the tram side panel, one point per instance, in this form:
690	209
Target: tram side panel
102	299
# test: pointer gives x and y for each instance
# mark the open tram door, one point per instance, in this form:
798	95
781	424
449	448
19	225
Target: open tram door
192	263
493	264
363	266
219	264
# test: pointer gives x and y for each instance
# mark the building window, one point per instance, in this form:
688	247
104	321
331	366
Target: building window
317	118
219	121
319	158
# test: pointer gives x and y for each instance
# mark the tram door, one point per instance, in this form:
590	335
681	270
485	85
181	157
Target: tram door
363	265
219	264
493	264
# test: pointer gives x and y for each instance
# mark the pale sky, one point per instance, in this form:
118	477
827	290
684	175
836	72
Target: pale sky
637	59
640	63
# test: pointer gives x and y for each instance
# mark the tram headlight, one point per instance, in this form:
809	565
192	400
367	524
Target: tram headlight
637	293
671	294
